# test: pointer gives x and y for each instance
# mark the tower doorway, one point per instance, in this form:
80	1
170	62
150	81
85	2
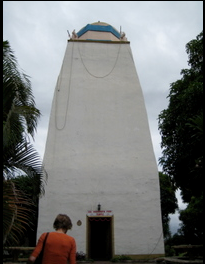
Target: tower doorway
100	243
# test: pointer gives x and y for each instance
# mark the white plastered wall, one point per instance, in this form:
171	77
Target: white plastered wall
99	149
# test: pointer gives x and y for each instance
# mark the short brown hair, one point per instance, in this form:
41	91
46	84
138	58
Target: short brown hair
62	221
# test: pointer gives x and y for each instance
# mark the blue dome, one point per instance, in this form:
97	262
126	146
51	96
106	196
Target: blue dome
103	27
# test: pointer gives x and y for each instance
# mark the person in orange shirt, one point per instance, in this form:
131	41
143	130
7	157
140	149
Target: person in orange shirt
59	247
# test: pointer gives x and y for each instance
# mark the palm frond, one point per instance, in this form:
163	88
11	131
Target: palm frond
24	159
20	117
17	92
16	213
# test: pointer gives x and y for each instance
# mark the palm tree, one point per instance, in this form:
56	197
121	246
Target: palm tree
20	117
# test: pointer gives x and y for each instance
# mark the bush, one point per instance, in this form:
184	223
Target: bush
121	258
80	255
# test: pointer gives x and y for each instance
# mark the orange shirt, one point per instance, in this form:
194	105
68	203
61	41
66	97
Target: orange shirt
59	248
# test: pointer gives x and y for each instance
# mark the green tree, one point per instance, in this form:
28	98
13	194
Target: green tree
181	126
30	188
168	202
181	129
20	118
192	221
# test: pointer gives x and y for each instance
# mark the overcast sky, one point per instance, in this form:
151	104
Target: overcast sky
157	30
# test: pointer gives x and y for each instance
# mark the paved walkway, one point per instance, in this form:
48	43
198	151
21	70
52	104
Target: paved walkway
99	262
133	262
95	262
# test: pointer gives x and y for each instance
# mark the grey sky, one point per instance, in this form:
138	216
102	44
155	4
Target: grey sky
157	30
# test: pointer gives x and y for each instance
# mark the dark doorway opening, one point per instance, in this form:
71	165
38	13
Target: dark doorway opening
100	238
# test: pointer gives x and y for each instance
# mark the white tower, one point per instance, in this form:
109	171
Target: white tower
99	156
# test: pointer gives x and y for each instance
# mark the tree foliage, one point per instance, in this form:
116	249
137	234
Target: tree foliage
181	126
30	188
20	117
168	202
192	227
